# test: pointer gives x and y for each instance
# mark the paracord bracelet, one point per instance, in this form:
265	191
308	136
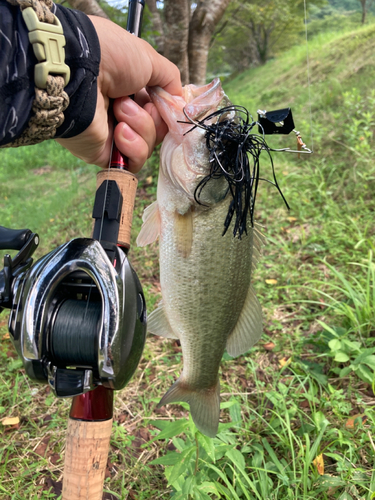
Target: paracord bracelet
47	38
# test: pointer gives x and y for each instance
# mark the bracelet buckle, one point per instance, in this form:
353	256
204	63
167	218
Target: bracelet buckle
48	42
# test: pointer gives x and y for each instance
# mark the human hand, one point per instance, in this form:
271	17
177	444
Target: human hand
128	64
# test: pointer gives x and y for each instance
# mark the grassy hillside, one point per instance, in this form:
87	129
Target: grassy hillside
302	399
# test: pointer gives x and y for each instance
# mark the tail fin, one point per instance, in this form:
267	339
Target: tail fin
204	405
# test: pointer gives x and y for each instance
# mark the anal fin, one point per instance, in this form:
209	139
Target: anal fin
248	329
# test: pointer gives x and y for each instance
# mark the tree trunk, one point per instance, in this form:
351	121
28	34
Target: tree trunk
157	25
363	4
176	30
202	25
89	7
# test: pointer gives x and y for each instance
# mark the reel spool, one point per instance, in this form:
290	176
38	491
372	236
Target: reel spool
77	320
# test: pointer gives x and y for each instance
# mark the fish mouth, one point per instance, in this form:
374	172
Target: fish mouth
197	102
202	100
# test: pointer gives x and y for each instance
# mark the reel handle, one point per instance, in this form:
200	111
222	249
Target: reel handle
127	183
13	239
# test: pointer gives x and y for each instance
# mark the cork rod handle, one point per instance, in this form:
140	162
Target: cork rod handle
86	454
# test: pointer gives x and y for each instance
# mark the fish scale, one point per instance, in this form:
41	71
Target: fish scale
203	297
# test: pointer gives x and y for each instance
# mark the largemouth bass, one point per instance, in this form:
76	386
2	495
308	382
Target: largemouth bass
207	299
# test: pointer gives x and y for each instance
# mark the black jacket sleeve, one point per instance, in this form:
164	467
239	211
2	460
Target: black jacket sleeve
17	62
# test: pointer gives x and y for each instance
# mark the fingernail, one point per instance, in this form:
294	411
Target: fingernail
129	107
128	133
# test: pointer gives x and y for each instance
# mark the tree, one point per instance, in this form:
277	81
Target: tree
205	18
181	33
89	7
185	33
252	31
365	5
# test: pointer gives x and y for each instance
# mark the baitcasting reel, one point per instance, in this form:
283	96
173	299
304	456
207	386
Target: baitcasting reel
78	315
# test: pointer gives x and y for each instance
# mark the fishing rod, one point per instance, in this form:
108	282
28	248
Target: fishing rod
91	414
78	317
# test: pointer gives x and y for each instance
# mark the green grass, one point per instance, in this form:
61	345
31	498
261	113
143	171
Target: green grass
307	388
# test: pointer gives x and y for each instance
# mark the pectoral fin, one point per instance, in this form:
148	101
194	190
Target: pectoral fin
151	225
158	323
248	329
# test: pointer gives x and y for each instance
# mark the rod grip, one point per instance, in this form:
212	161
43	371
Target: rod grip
86	454
127	182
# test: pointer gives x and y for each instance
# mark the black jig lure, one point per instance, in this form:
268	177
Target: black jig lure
234	153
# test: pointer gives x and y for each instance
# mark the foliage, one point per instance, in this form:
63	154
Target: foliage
253	32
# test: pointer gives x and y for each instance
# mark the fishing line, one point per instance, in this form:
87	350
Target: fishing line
92	284
308	75
80	349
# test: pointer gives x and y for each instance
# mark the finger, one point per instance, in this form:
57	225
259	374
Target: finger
143	99
131	145
128	111
160	126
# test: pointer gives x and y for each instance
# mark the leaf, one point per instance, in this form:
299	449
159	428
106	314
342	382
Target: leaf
345	371
170	458
208	487
354	346
236	457
189	486
335	456
198	494
172	429
235	413
15	364
365	374
269	346
208	445
10	421
355	420
271	282
284	362
341	357
334	344
345	496
319	419
273	456
364	354
181	466
319	464
369	361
